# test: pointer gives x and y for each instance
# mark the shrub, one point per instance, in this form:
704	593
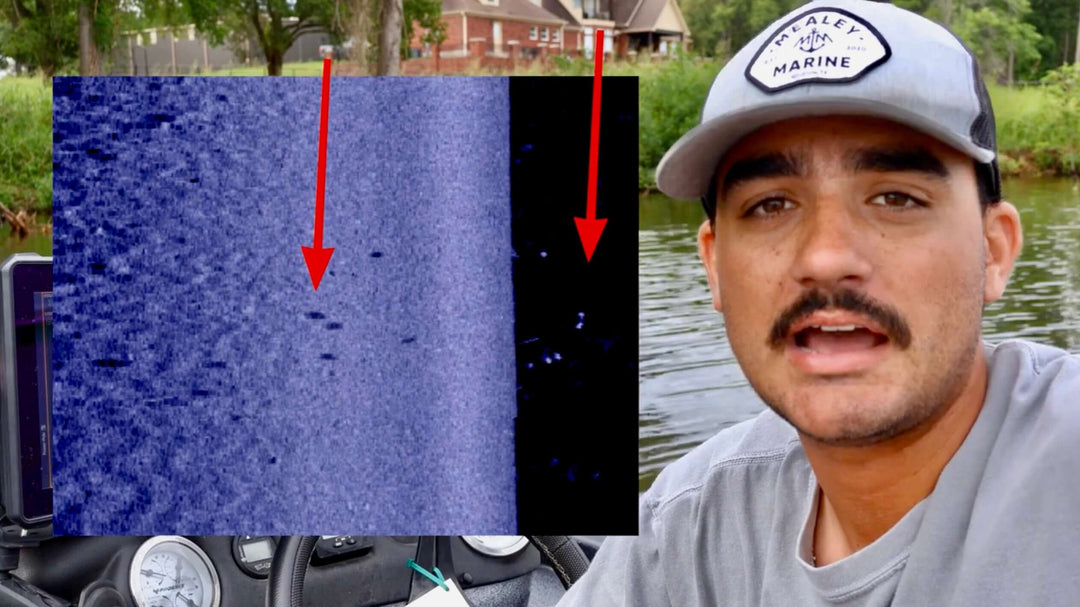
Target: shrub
671	94
25	144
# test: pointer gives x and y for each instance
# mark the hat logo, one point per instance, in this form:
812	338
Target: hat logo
813	41
821	45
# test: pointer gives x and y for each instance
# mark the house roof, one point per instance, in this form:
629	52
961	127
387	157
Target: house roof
623	10
516	9
557	8
641	15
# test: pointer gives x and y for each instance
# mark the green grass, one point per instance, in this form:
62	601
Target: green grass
305	68
1035	124
1017	111
1036	132
25	144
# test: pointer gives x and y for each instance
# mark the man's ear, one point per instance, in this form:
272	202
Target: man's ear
706	239
1004	237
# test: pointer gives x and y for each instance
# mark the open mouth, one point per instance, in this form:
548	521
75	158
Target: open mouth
837	339
832	344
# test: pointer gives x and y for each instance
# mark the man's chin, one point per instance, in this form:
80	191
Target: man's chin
848	415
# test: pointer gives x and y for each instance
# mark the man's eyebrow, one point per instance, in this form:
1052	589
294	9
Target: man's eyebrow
775	164
897	160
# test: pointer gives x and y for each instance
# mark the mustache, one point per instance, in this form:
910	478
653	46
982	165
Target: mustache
847	299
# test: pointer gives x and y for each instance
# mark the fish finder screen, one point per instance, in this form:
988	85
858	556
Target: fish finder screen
30	298
43	347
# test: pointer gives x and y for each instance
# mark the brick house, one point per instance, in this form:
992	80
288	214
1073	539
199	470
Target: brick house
501	29
505	32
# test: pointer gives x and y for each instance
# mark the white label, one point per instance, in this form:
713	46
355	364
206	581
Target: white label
438	597
822	45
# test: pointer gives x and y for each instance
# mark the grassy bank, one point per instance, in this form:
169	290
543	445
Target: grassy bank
25	145
306	68
1038	126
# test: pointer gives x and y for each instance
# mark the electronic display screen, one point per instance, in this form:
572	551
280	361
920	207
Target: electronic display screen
257	551
43	350
31	307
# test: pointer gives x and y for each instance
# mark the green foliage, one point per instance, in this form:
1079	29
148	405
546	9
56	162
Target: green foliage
262	20
40	33
1063	90
428	15
670	96
25	144
1035	31
573	66
996	30
722	28
1056	21
1040	125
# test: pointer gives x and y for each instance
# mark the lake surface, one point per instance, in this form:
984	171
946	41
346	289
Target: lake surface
34	243
691	386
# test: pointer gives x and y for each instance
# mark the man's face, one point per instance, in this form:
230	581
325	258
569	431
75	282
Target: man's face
848	257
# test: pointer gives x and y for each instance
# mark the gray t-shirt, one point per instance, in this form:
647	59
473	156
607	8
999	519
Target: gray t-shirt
732	522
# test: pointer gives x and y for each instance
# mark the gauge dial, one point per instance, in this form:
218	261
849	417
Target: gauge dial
170	571
496	545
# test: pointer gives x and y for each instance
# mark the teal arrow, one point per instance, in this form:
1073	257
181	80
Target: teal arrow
436	577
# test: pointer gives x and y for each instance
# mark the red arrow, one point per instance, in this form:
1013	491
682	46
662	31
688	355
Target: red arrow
316	257
590	228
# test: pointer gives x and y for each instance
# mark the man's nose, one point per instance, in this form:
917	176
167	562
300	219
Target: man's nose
829	246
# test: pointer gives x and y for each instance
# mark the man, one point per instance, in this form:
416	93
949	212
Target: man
856	230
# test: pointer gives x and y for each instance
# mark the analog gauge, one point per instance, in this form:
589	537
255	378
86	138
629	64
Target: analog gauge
496	545
170	571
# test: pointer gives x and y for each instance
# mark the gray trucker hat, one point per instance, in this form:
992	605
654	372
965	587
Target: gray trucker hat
840	57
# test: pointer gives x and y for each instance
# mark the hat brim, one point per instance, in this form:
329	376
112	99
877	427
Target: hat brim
688	166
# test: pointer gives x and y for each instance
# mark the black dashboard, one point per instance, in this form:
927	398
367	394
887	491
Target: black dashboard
366	571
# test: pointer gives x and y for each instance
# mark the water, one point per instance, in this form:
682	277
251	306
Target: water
34	243
690	383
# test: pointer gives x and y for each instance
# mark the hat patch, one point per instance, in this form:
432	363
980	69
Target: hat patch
820	45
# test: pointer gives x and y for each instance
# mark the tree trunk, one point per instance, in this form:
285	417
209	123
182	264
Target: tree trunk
946	8
390	38
274	59
1078	38
360	29
89	62
172	50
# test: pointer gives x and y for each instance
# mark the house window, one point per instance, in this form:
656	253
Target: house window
555	35
532	33
543	34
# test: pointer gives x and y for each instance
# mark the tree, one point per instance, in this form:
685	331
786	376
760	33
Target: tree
390	26
42	33
265	18
428	15
1056	21
1000	38
99	23
721	28
363	17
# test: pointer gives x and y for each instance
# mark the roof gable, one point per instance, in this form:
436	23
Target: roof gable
515	9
